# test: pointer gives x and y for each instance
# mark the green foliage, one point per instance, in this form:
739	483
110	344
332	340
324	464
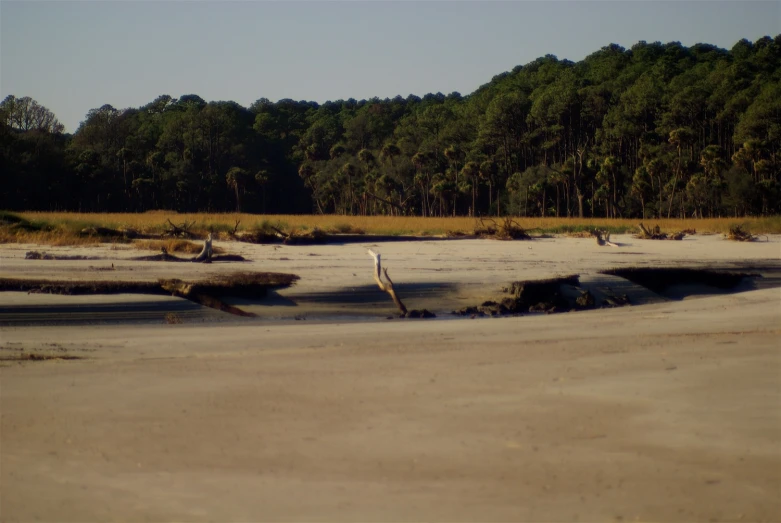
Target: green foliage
658	130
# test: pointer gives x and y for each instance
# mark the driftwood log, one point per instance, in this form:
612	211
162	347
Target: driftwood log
603	238
206	253
386	286
657	234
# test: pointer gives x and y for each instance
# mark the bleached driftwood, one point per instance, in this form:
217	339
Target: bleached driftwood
206	252
603	238
385	286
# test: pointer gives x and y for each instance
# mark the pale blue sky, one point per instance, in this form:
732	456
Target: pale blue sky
75	56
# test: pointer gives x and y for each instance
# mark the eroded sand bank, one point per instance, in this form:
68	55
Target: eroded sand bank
336	280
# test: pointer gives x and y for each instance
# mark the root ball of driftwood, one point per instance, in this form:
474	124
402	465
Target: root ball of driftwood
657	234
738	234
508	229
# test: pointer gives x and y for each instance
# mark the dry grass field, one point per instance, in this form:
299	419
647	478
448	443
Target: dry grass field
63	228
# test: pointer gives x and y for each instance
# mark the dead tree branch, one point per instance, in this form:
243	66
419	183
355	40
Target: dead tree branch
386	286
180	230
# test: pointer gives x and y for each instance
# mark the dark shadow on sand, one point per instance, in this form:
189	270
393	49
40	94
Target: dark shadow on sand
364	294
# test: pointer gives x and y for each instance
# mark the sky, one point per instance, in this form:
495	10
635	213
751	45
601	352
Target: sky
73	56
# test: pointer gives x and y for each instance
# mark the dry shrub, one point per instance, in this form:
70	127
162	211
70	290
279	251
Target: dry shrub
657	234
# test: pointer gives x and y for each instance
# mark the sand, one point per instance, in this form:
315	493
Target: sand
666	411
336	280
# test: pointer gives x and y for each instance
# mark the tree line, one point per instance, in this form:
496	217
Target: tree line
658	130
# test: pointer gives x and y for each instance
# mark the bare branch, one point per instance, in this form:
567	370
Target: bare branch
386	286
180	230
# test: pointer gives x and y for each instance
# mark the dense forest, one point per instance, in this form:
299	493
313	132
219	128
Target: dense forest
658	130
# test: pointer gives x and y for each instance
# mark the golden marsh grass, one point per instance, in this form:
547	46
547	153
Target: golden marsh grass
62	228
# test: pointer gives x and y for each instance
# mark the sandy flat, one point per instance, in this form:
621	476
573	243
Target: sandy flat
666	411
433	274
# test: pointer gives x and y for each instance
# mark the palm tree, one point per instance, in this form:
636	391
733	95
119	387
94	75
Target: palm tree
366	157
349	171
514	186
640	185
471	172
337	150
487	173
308	174
680	138
421	161
262	179
389	151
443	189
236	179
454	156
